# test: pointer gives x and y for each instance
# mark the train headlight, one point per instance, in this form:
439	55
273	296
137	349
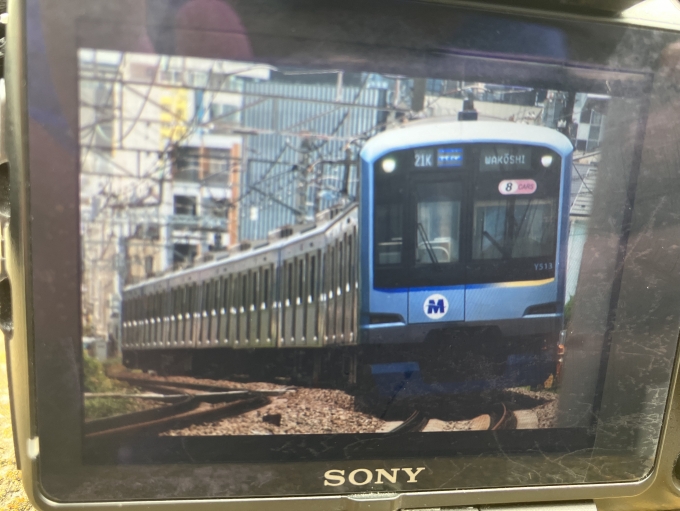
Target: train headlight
389	164
546	160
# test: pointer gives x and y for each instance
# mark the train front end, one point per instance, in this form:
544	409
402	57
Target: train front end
464	230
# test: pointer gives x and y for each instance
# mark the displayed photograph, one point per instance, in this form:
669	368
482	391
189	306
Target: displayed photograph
297	251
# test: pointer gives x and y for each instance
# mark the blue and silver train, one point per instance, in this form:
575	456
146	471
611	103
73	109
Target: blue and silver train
452	273
463	229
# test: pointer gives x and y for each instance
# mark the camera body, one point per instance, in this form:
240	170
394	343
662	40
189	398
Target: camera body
404	255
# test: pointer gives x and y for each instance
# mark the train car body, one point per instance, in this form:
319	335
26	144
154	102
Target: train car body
464	230
298	289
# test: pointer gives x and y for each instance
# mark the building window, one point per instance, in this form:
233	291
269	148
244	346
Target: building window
202	164
185	205
148	266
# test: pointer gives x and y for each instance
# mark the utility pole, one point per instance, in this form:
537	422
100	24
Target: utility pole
306	148
566	119
344	192
418	98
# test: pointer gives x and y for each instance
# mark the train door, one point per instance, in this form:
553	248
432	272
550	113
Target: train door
139	320
253	307
339	293
165	315
171	336
149	320
287	309
152	311
299	305
213	312
437	292
232	329
242	304
331	297
347	306
264	323
277	298
160	302
323	299
132	322
204	332
311	321
223	308
196	308
188	314
354	286
176	318
148	314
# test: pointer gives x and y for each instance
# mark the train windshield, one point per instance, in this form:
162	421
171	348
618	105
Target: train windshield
464	213
514	228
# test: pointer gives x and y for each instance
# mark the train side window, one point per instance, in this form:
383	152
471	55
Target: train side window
350	259
265	289
341	267
216	294
207	293
225	292
179	300
139	306
312	278
323	274
255	283
190	298
301	280
148	307
289	291
235	281
244	289
332	270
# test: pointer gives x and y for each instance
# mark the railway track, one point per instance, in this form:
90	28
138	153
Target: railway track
181	405
499	417
197	407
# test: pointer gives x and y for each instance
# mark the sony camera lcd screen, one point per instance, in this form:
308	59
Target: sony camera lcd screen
396	243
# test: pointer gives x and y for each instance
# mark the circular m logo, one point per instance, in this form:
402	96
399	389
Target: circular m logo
436	306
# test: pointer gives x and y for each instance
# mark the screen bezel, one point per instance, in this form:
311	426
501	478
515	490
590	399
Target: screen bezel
42	356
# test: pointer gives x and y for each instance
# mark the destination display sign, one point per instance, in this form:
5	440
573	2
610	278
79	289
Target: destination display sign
450	157
504	157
